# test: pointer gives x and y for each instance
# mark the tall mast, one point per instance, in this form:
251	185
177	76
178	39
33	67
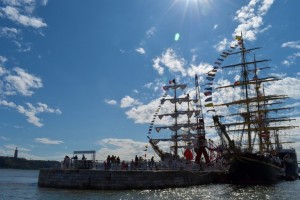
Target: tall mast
245	80
260	123
176	130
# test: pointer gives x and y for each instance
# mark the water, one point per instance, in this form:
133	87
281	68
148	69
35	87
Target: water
22	184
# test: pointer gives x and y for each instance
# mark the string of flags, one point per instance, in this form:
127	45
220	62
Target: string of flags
210	78
212	73
156	113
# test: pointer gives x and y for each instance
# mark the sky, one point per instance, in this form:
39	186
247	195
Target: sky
88	75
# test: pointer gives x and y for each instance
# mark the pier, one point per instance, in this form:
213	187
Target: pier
124	180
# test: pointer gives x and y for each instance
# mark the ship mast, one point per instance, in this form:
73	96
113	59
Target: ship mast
245	79
256	106
179	134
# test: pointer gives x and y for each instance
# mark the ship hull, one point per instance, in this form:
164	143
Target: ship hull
253	169
290	162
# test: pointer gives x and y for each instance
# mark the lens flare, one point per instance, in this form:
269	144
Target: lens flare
177	36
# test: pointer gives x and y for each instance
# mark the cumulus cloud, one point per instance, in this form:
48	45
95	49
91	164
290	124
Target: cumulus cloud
289	60
128	101
48	141
200	69
110	101
292	44
140	50
9	32
31	111
287	86
171	61
14	14
150	32
143	113
3	59
21	82
221	46
126	149
4	138
250	18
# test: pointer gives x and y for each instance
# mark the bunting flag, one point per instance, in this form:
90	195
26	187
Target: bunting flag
196	80
209	105
210	78
237	83
157	110
207	93
211	74
211	110
238	38
208	99
172	81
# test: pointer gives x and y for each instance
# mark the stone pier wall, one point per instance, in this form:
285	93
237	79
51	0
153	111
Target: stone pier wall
118	180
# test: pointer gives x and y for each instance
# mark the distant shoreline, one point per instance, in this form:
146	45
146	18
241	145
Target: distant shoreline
22	163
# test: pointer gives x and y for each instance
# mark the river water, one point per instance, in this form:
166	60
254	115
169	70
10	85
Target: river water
22	184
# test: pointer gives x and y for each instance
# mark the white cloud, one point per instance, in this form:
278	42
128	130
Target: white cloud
48	141
31	111
221	46
3	59
12	147
292	44
4	138
14	14
9	32
150	32
110	101
128	101
171	61
126	149
140	50
143	113
287	86
201	69
251	18
44	2
157	66
22	82
291	59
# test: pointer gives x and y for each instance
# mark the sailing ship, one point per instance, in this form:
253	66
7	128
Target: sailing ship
251	140
186	132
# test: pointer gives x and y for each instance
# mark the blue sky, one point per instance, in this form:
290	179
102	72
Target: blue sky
87	75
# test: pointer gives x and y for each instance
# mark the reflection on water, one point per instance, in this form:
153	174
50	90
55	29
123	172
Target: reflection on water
22	184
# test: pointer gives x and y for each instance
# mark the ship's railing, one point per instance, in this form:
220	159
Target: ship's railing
143	165
78	164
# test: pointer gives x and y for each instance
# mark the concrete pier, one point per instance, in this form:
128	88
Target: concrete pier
121	180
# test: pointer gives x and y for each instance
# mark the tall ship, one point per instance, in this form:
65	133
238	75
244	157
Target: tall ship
185	136
251	131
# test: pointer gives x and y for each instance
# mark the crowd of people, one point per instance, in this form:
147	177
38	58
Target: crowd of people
113	163
74	162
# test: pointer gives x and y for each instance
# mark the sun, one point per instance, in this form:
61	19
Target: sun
203	7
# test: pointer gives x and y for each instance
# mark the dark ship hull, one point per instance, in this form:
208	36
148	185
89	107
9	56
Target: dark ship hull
289	158
251	169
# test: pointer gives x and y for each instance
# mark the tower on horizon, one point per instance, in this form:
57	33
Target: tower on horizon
16	153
